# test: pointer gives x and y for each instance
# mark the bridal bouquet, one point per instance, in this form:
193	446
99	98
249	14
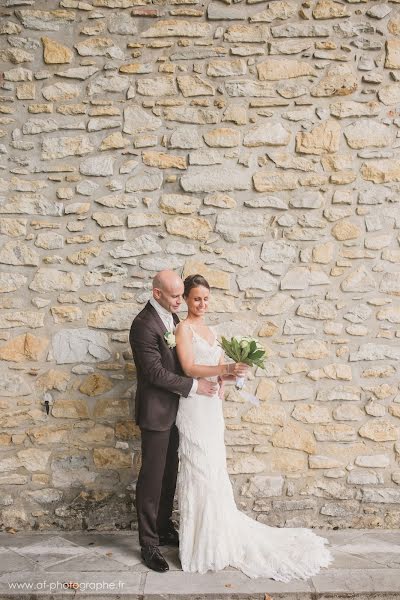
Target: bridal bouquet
245	350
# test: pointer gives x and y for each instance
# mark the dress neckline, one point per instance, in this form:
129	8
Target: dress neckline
202	338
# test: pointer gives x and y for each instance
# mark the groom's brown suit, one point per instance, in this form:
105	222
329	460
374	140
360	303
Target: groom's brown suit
160	382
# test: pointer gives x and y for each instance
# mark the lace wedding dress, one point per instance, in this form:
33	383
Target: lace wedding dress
213	533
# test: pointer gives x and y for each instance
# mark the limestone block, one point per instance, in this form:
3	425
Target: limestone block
163	160
136	120
16	253
366	133
122	24
348	108
80	345
216	278
144	220
114	141
194	228
116	316
345	230
185	137
329	9
335	432
111	458
35	126
111	408
143	244
173	204
10	282
390	284
97	166
48	280
264	486
294	437
311	413
339	80
43	20
275	70
266	390
233	226
379	430
273	181
226	68
78	72
24	347
311	349
33	459
291	392
60	92
282	10
99	46
359	280
157	86
193	85
54	52
306	30
177	27
276	305
245	464
322	139
214	180
257	280
392	60
273	134
389	94
223	137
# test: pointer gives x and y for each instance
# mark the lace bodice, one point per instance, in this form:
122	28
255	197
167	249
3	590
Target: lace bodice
204	352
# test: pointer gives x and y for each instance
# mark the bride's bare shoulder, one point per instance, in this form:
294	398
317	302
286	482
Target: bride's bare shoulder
183	327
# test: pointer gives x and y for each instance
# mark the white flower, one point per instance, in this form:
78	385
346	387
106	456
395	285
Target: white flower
170	339
259	346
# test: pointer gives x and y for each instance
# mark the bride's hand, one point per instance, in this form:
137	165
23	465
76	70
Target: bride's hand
240	370
233	370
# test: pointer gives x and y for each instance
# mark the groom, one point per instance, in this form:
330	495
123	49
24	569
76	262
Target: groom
160	382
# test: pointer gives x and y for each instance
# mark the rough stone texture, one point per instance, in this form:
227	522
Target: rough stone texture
255	143
55	53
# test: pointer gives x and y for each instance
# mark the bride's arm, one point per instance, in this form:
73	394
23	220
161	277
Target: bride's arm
226	377
184	348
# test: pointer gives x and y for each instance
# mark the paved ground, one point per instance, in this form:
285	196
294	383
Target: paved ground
41	565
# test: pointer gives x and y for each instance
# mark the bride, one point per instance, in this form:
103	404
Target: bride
213	533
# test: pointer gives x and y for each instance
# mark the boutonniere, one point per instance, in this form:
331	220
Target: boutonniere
169	337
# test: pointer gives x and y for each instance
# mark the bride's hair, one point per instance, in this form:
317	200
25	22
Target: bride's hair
193	281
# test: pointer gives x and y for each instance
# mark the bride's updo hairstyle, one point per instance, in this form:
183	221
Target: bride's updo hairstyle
194	281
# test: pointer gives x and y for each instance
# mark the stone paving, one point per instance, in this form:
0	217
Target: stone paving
42	565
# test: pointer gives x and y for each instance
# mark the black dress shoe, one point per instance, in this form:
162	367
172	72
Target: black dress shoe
169	537
154	559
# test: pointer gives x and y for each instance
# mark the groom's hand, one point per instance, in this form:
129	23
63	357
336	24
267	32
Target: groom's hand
206	388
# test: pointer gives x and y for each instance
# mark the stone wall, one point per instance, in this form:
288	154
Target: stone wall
256	143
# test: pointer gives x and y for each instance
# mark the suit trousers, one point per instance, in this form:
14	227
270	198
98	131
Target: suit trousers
155	488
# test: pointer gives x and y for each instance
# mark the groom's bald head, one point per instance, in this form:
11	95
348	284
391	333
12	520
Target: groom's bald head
165	279
168	290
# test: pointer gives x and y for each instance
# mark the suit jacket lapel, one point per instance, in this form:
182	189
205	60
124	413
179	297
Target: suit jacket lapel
159	323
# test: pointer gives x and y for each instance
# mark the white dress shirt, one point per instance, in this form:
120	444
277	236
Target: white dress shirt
167	319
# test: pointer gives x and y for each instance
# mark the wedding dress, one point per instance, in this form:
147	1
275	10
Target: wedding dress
213	533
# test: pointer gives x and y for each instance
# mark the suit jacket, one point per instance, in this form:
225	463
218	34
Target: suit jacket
160	379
